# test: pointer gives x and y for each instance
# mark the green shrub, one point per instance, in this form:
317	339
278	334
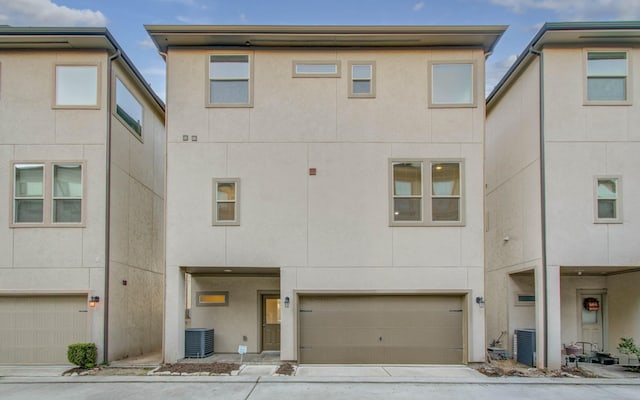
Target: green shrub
84	355
627	346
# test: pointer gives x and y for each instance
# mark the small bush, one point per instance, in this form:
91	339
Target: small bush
627	346
84	355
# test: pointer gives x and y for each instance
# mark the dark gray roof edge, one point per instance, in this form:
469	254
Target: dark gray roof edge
86	31
556	26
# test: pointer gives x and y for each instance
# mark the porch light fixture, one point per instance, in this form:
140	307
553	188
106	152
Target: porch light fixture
93	300
286	302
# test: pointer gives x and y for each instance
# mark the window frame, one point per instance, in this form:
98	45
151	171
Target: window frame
296	74
139	136
214	215
208	80
95	106
474	84
212	293
618	199
48	196
426	193
628	83
372	80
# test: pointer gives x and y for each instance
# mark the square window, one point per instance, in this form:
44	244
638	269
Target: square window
226	202
607	193
229	80
128	109
607	76
440	205
76	86
362	79
452	85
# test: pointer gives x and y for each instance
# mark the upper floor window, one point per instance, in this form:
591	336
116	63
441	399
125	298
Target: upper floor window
362	79
76	86
128	109
47	193
229	80
226	202
452	84
607	77
426	192
608	199
316	69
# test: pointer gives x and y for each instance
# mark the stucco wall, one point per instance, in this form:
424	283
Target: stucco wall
624	307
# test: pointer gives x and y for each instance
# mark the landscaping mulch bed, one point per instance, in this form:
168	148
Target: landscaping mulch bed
191	368
499	368
286	369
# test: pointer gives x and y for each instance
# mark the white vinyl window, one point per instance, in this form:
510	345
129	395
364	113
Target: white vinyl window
607	77
47	194
426	192
226	202
316	69
608	207
361	79
76	86
229	80
452	85
128	109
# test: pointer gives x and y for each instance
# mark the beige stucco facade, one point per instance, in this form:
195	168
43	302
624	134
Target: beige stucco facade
324	232
123	193
573	255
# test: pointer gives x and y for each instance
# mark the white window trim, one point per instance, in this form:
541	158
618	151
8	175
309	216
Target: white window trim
372	93
618	219
296	74
47	203
215	201
96	106
585	81
207	99
139	136
475	88
426	195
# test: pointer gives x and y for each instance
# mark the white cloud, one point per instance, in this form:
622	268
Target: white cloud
243	18
496	70
418	6
146	43
578	9
47	12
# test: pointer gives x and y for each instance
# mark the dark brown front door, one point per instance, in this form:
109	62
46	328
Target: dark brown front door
270	322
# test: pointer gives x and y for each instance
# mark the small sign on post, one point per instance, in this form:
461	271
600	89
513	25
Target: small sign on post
242	350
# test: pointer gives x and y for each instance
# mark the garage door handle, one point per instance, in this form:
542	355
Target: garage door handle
380	338
83	311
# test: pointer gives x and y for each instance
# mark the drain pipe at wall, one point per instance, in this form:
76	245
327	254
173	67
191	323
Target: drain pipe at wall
543	206
107	230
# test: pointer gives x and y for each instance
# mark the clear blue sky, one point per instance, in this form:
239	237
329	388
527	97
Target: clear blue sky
125	19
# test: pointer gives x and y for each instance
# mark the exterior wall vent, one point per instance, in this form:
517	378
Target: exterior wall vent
198	342
526	346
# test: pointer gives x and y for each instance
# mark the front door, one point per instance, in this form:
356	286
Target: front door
270	322
591	321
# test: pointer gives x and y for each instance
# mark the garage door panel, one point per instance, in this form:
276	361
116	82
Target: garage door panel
40	328
381	329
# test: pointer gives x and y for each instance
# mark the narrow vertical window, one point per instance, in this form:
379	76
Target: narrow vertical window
226	202
76	86
608	199
128	109
407	191
607	76
362	79
229	80
452	85
28	190
445	192
67	193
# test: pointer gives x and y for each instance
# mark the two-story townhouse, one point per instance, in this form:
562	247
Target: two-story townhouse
82	208
325	190
562	174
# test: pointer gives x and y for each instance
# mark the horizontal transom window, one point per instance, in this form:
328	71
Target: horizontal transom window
316	69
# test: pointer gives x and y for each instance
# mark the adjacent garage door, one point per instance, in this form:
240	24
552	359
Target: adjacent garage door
38	329
377	329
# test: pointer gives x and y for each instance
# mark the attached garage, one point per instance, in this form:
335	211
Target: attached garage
381	329
38	329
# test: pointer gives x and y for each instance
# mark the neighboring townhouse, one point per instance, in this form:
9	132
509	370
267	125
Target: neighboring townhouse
563	176
325	191
82	156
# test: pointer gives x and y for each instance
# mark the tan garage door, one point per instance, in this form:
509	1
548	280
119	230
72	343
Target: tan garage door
380	329
38	329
